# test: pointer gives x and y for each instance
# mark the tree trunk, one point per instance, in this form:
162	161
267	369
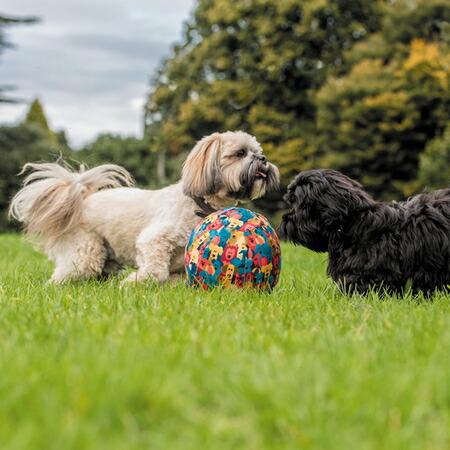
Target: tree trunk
161	167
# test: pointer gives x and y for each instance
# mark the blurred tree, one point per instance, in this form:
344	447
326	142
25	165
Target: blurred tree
253	65
61	139
57	139
434	166
36	115
132	153
358	86
374	122
30	141
19	145
6	21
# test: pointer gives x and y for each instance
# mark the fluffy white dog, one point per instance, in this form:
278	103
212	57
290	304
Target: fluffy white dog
89	225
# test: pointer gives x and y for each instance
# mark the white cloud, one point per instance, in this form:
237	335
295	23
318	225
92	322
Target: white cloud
89	61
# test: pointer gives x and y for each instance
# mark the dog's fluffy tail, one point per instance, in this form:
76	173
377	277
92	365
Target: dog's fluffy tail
50	201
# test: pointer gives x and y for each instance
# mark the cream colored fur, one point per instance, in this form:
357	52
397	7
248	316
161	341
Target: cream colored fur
90	227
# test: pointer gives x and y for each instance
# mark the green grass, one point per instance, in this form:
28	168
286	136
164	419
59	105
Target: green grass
94	366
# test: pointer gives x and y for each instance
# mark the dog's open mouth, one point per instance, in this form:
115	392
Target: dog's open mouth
260	174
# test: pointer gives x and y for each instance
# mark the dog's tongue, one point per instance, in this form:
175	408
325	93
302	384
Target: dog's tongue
261	174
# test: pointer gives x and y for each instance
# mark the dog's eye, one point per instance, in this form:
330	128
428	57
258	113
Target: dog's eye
241	153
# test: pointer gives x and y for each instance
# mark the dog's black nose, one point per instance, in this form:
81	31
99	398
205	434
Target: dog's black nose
262	158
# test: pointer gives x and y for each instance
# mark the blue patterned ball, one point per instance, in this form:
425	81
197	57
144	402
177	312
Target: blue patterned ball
233	247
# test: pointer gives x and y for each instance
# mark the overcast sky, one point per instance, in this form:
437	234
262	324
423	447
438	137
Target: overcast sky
89	61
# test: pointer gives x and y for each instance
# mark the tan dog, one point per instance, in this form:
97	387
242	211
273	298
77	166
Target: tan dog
90	226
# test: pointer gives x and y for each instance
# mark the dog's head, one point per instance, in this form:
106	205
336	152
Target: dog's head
228	166
322	202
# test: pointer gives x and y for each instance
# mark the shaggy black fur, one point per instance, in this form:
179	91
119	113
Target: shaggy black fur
369	243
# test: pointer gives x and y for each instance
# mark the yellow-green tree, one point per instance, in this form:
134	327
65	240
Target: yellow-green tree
434	165
358	86
36	116
253	65
374	122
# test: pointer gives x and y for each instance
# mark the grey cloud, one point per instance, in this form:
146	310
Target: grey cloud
128	47
89	61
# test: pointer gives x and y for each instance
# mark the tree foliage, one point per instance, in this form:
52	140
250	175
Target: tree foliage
375	121
32	140
130	152
434	166
19	145
359	86
36	115
253	65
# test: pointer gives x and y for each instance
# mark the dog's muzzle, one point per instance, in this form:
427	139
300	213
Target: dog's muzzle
261	172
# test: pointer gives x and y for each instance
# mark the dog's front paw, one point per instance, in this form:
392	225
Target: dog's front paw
130	279
135	278
141	276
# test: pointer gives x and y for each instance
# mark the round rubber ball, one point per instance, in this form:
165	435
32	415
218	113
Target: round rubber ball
233	247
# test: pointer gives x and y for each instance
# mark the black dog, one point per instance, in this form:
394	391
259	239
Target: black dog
369	243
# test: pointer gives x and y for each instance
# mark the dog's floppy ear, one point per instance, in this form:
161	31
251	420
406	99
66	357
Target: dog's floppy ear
332	196
201	174
342	197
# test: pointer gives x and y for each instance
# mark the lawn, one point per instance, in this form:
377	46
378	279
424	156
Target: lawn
94	366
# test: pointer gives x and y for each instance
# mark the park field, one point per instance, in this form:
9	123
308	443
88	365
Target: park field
96	366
